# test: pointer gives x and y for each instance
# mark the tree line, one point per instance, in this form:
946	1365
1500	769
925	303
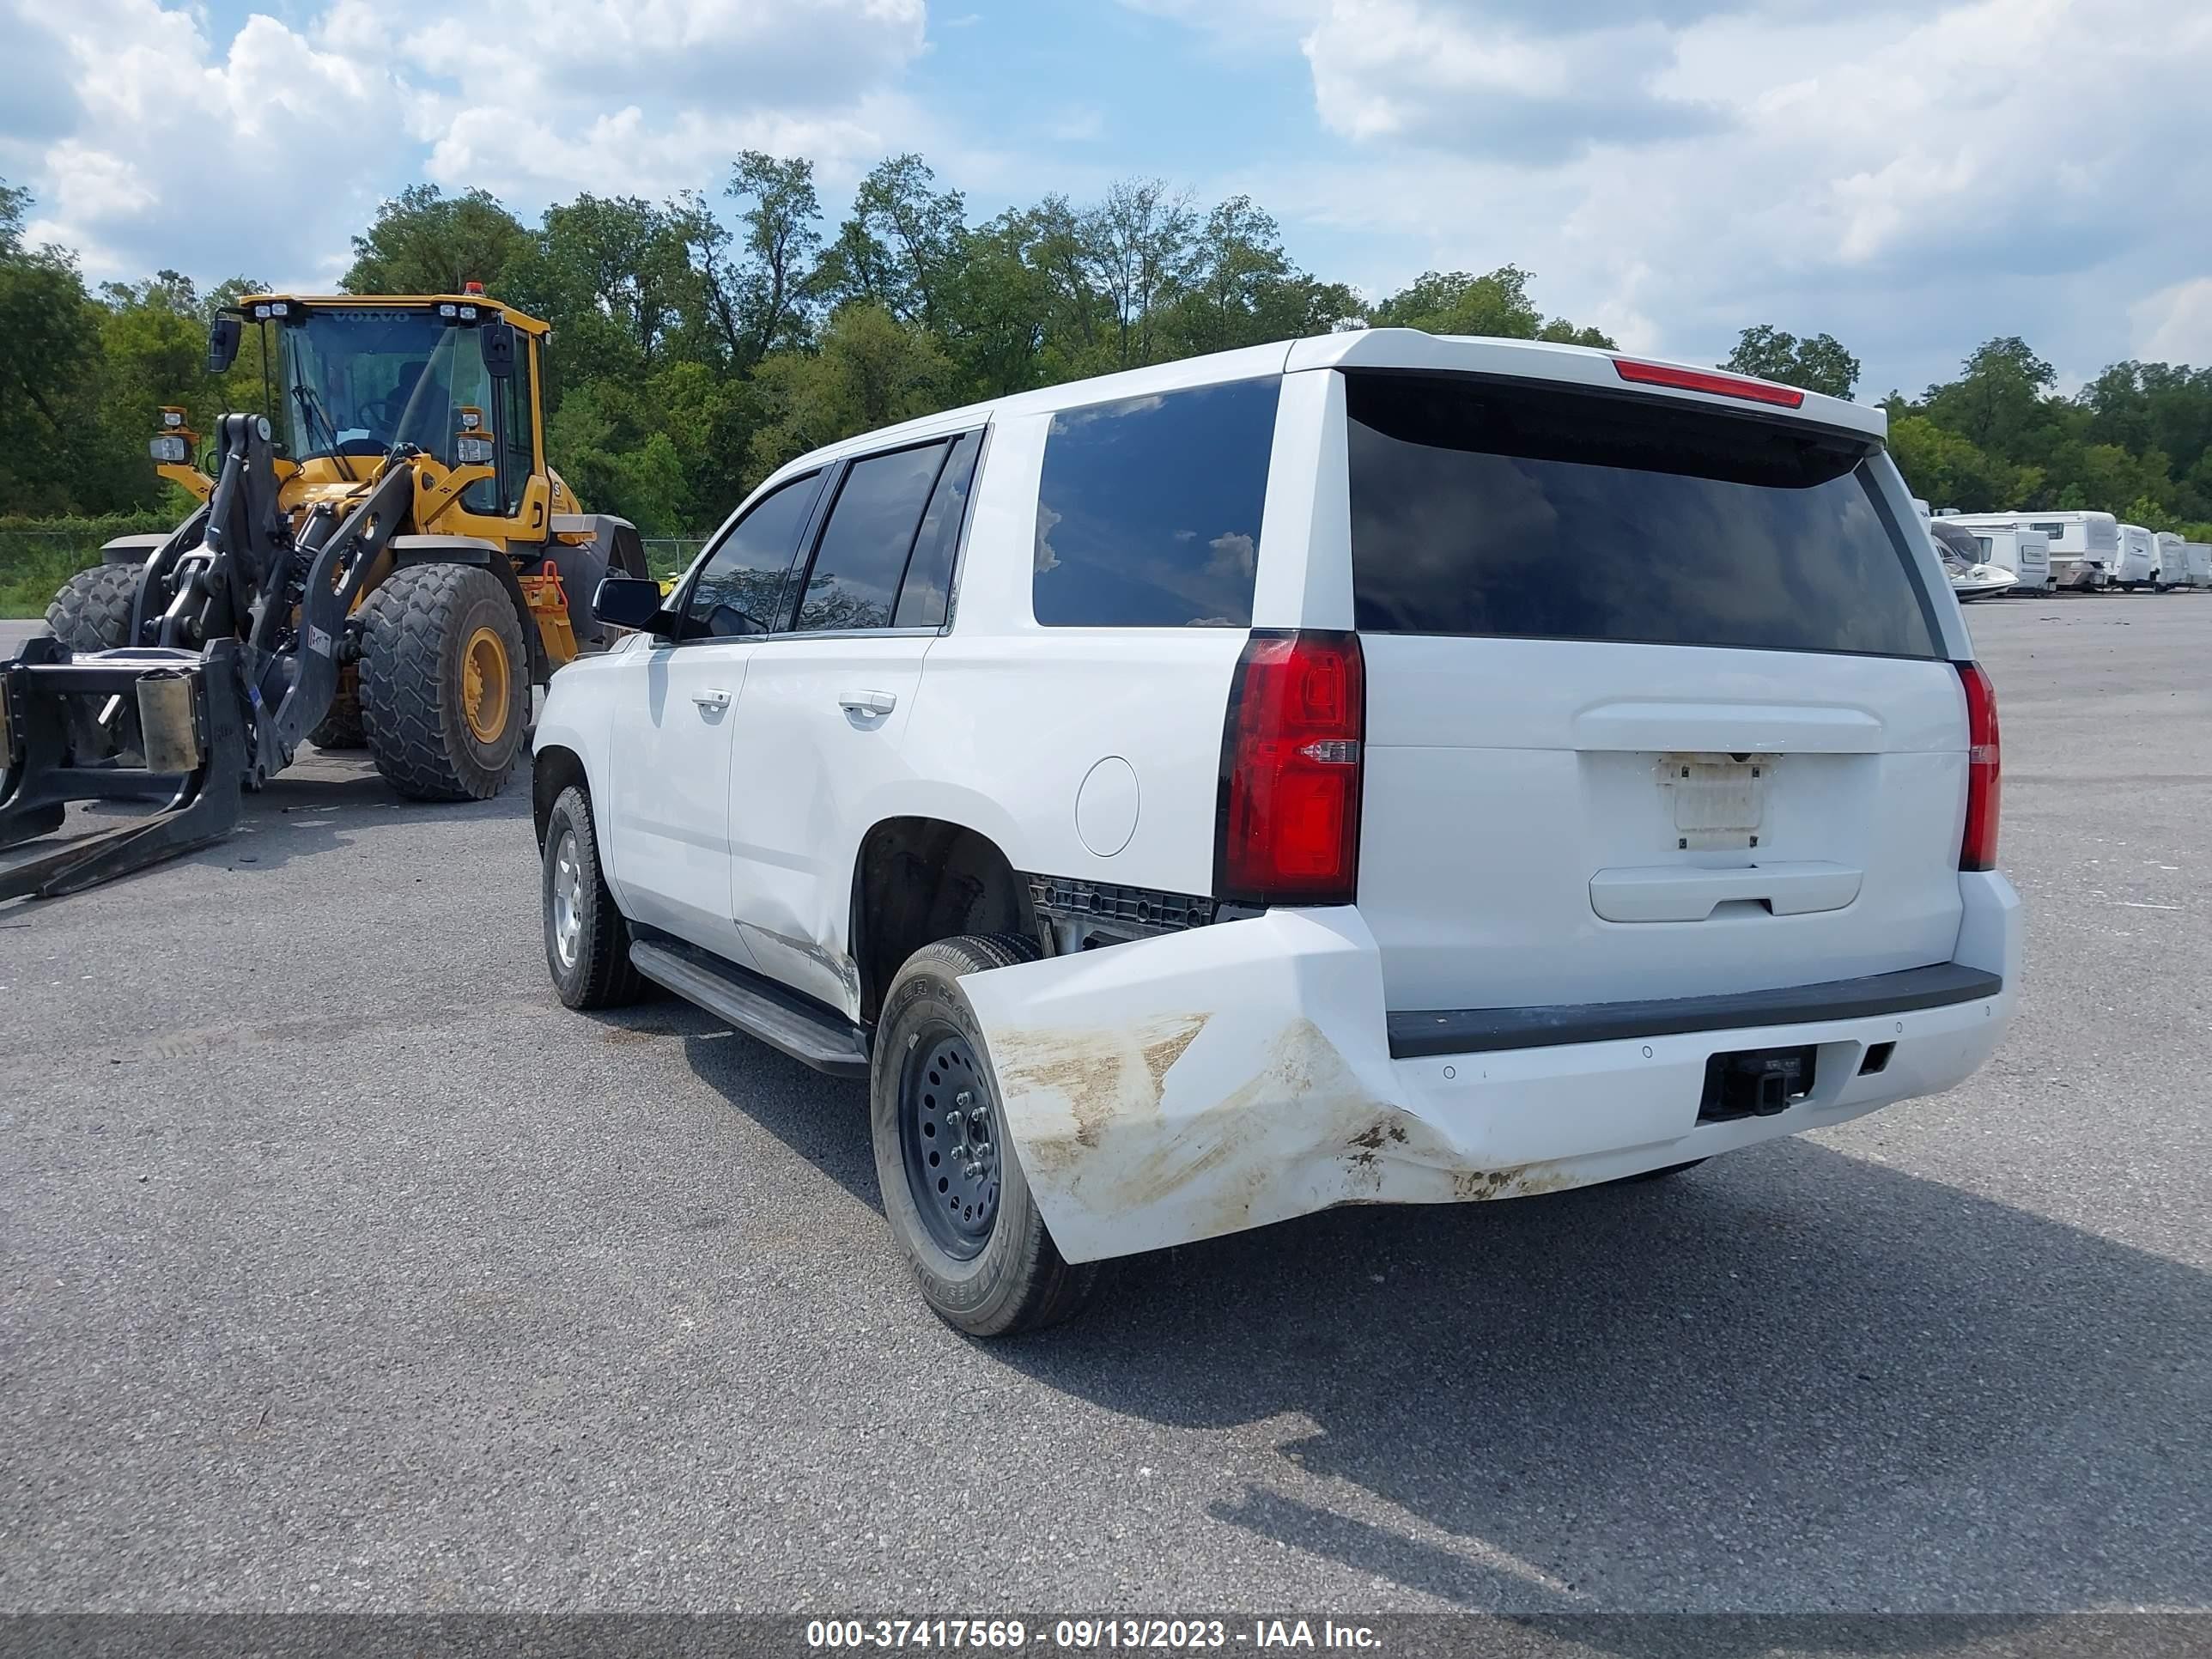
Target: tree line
701	341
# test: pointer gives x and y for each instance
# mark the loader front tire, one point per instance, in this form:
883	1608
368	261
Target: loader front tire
92	611
445	682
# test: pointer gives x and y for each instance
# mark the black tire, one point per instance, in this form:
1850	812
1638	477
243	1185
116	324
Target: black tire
341	727
591	964
1012	1279
92	611
420	631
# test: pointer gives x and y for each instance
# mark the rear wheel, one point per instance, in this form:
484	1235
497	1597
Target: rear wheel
445	682
953	1191
92	611
587	940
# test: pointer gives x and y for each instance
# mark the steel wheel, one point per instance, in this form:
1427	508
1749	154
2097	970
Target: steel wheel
483	684
568	899
949	1131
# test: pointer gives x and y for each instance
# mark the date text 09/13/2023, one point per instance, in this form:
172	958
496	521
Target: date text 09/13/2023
1109	1634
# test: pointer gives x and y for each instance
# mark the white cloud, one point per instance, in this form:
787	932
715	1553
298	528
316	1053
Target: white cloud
1913	178
2174	325
170	145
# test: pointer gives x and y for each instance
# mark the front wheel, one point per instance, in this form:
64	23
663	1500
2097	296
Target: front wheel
445	682
953	1190
587	940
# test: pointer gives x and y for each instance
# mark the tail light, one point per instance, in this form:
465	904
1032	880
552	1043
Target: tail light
1288	829
1979	848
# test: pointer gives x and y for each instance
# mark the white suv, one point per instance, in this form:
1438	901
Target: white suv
1379	768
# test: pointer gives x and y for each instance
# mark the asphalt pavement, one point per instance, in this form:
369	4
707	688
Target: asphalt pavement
344	1268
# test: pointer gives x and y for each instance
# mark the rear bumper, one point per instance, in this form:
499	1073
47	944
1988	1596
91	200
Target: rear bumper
1241	1073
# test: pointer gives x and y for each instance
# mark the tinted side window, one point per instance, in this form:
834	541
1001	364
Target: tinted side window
737	592
1148	515
1520	512
924	596
856	578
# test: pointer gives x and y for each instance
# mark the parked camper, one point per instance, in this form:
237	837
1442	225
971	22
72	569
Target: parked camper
2025	553
2137	564
2172	560
2084	546
2199	557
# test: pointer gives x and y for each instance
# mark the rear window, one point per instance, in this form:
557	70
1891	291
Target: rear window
1518	512
1148	513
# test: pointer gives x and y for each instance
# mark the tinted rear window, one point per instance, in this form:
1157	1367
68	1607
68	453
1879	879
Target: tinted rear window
1484	508
1148	515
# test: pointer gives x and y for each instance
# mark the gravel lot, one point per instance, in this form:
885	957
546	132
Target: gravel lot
345	1269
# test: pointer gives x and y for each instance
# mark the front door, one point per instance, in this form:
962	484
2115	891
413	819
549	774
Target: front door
668	817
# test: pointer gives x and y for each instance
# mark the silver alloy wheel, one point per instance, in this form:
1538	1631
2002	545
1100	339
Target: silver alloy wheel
568	899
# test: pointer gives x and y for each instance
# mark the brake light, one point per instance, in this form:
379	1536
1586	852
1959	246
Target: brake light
1979	848
1289	825
1701	380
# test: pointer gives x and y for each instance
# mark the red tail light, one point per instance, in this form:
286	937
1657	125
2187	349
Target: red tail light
1978	849
1289	830
1701	380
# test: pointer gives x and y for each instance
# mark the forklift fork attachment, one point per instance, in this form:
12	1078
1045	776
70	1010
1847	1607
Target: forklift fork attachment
193	739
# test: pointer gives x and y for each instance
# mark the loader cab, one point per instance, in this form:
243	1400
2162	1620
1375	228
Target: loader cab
357	378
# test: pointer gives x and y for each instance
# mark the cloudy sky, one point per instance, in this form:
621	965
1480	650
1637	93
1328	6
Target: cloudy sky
1912	175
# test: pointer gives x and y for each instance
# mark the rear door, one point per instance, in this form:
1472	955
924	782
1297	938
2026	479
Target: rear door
1658	703
820	738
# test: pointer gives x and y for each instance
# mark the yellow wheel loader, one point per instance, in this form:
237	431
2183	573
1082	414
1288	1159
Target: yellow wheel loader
388	563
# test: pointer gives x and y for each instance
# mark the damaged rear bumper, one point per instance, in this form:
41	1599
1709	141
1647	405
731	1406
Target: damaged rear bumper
1187	1086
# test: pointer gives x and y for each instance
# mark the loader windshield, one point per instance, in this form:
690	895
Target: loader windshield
358	381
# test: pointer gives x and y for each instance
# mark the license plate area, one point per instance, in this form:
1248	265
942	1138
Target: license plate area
1755	1083
1715	803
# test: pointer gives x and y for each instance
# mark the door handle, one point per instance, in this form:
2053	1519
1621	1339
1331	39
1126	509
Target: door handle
868	702
711	700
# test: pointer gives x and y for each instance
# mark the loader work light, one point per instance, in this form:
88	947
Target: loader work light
449	309
169	448
171	417
472	420
472	451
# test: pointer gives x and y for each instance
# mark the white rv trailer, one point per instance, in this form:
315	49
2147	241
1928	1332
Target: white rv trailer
2138	565
2085	547
2199	555
2025	553
2172	560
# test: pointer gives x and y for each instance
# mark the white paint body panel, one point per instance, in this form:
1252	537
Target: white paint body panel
2172	559
2199	558
2137	560
1519	846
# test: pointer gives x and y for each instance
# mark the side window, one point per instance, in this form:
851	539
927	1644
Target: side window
854	580
1148	515
925	593
737	590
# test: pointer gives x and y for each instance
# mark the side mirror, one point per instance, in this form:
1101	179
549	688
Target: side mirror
630	601
496	342
222	343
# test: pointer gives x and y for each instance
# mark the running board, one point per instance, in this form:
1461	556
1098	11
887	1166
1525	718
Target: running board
758	1007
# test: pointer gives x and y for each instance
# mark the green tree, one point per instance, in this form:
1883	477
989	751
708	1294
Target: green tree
423	242
1946	469
55	454
902	244
1497	305
1997	402
1819	364
1136	245
757	285
870	372
1242	288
